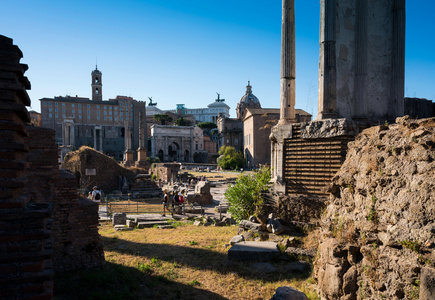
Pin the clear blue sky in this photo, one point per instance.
(186, 51)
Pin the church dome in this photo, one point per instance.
(249, 99)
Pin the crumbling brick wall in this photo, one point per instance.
(25, 252)
(75, 239)
(44, 226)
(76, 242)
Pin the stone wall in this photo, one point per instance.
(378, 230)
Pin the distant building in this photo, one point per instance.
(177, 143)
(231, 129)
(419, 108)
(257, 125)
(209, 114)
(110, 126)
(35, 118)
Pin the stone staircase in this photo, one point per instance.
(144, 188)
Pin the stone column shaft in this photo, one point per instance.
(327, 98)
(288, 63)
(396, 103)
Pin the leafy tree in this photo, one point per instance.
(230, 158)
(183, 122)
(207, 125)
(152, 159)
(245, 196)
(162, 118)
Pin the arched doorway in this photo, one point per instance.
(160, 155)
(173, 151)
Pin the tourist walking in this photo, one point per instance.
(165, 201)
(96, 194)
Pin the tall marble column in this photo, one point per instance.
(361, 41)
(288, 63)
(397, 94)
(327, 98)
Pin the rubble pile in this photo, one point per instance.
(378, 230)
(109, 174)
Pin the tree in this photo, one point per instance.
(230, 158)
(207, 125)
(162, 118)
(208, 128)
(183, 122)
(245, 196)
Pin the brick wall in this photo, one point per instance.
(75, 239)
(25, 253)
(43, 224)
(76, 242)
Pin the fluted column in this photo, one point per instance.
(361, 41)
(288, 63)
(396, 104)
(327, 98)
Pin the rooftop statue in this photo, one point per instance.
(151, 102)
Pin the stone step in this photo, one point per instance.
(254, 251)
(151, 224)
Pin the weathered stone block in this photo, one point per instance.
(288, 293)
(119, 219)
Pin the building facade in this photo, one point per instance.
(231, 129)
(257, 126)
(110, 126)
(176, 143)
(209, 114)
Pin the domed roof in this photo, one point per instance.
(249, 99)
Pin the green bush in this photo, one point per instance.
(230, 158)
(245, 196)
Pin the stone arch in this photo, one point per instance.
(161, 155)
(173, 151)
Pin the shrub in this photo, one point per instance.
(230, 158)
(245, 196)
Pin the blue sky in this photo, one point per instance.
(186, 51)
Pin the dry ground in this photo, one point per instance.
(187, 262)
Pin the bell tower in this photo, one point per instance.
(97, 85)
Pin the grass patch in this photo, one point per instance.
(154, 264)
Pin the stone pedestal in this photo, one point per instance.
(142, 158)
(128, 158)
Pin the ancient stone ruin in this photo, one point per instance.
(378, 230)
(45, 228)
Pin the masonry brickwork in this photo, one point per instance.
(75, 240)
(44, 227)
(25, 250)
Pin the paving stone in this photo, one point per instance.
(122, 228)
(151, 224)
(254, 251)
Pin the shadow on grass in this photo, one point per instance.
(202, 259)
(115, 282)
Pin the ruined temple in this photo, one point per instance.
(361, 83)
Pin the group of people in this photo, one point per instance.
(174, 200)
